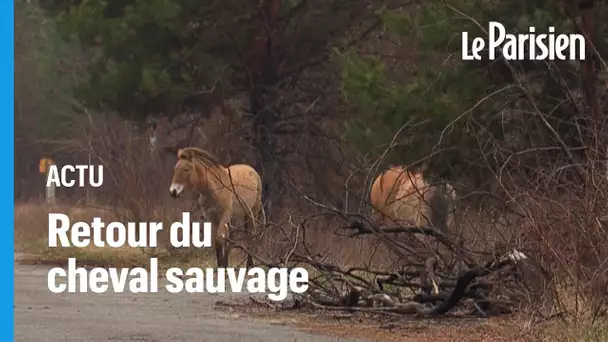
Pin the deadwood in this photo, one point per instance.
(399, 292)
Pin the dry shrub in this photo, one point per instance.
(316, 235)
(135, 189)
(568, 236)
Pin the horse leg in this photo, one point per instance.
(219, 254)
(250, 227)
(221, 249)
(227, 245)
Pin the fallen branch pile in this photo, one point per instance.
(432, 291)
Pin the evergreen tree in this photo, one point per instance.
(467, 115)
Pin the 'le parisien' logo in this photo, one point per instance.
(529, 46)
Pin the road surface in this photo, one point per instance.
(43, 316)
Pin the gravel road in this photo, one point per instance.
(43, 316)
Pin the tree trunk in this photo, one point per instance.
(589, 72)
(263, 98)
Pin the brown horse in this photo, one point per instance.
(403, 197)
(230, 194)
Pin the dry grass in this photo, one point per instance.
(31, 237)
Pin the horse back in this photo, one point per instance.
(386, 189)
(247, 185)
(400, 194)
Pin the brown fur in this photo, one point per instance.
(232, 195)
(402, 197)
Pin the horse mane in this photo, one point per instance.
(192, 153)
